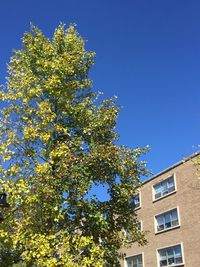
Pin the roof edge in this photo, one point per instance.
(172, 166)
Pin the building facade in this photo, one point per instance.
(169, 210)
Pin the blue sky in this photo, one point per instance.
(148, 54)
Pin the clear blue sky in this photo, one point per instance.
(148, 54)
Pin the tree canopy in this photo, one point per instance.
(58, 141)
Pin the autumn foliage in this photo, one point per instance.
(58, 141)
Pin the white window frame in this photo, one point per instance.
(139, 207)
(133, 255)
(171, 228)
(162, 180)
(173, 245)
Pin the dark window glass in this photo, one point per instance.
(167, 220)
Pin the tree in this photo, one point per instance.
(57, 141)
(196, 162)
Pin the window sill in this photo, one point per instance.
(168, 229)
(169, 194)
(138, 208)
(175, 265)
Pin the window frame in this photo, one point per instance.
(141, 224)
(163, 180)
(171, 228)
(173, 245)
(133, 255)
(139, 207)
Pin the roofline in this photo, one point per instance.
(172, 166)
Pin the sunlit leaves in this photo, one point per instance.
(57, 141)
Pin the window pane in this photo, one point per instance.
(170, 251)
(174, 215)
(157, 195)
(177, 250)
(163, 254)
(171, 186)
(157, 188)
(129, 263)
(174, 223)
(178, 254)
(171, 189)
(160, 219)
(160, 227)
(139, 259)
(170, 182)
(178, 260)
(163, 257)
(160, 223)
(167, 220)
(163, 263)
(134, 260)
(171, 261)
(164, 188)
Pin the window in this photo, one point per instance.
(167, 220)
(171, 256)
(136, 201)
(128, 233)
(135, 261)
(139, 226)
(164, 188)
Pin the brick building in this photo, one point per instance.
(168, 207)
